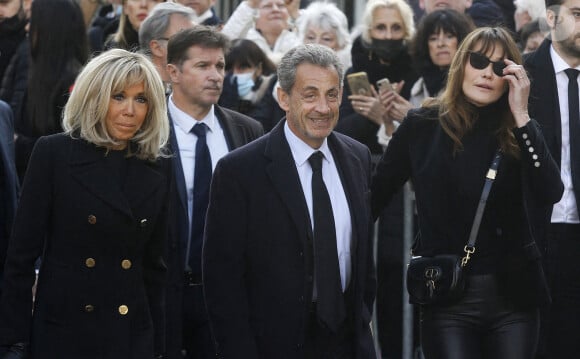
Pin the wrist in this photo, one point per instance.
(521, 118)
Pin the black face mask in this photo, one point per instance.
(388, 50)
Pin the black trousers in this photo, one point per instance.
(483, 325)
(197, 339)
(321, 343)
(561, 324)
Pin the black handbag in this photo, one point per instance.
(440, 279)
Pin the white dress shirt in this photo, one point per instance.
(565, 211)
(301, 152)
(186, 141)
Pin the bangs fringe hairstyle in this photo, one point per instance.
(104, 76)
(446, 20)
(456, 115)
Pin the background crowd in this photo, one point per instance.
(227, 73)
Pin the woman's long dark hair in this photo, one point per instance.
(58, 49)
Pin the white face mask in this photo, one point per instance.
(245, 83)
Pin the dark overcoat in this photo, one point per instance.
(258, 255)
(100, 285)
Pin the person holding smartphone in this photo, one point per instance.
(445, 148)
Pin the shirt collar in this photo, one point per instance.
(186, 122)
(559, 64)
(206, 15)
(302, 151)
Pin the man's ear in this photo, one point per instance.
(283, 99)
(156, 49)
(468, 4)
(173, 72)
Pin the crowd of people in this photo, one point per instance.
(175, 184)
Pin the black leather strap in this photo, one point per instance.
(490, 176)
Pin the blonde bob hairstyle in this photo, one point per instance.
(400, 5)
(109, 73)
(456, 115)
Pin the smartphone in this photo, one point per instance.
(384, 85)
(359, 83)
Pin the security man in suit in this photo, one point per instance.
(201, 133)
(554, 69)
(287, 259)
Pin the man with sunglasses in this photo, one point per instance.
(554, 104)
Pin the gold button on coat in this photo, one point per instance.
(123, 309)
(126, 264)
(90, 262)
(92, 219)
(89, 308)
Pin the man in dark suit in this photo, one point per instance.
(287, 259)
(196, 69)
(554, 104)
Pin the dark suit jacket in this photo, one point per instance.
(239, 130)
(10, 181)
(258, 259)
(101, 248)
(544, 105)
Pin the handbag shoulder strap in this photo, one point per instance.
(489, 178)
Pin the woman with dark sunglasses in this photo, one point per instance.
(445, 149)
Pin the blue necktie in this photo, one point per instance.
(574, 117)
(201, 183)
(330, 301)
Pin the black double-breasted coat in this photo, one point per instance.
(100, 284)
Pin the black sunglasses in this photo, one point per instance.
(480, 62)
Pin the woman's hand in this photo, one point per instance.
(293, 7)
(369, 106)
(519, 91)
(397, 107)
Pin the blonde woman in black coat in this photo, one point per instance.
(92, 209)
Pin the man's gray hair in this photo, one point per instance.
(157, 23)
(313, 54)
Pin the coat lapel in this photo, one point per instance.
(284, 176)
(232, 130)
(89, 169)
(179, 179)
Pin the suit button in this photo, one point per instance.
(531, 149)
(525, 136)
(534, 156)
(537, 164)
(301, 254)
(126, 264)
(92, 219)
(89, 308)
(528, 142)
(123, 309)
(90, 262)
(143, 222)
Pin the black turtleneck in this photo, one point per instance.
(501, 223)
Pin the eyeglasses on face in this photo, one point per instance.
(480, 62)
